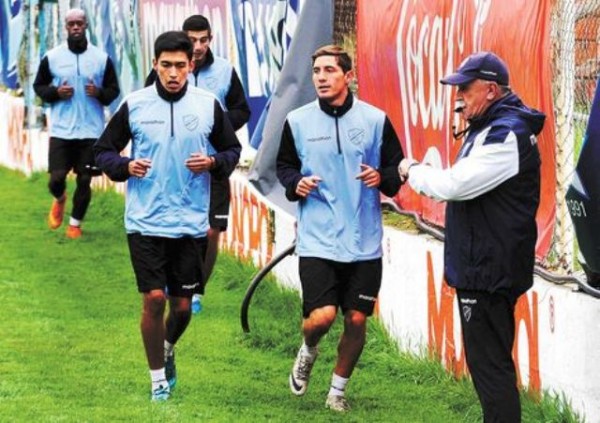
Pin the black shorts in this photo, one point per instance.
(77, 155)
(218, 215)
(351, 286)
(173, 263)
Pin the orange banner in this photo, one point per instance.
(405, 47)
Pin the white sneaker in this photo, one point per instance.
(161, 393)
(301, 373)
(337, 403)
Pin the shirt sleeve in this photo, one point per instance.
(288, 164)
(224, 140)
(391, 155)
(113, 140)
(42, 85)
(110, 84)
(235, 101)
(487, 166)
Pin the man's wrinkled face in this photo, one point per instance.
(330, 80)
(476, 96)
(201, 41)
(172, 68)
(76, 26)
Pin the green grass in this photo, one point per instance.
(399, 221)
(70, 348)
(580, 128)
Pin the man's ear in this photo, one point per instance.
(154, 64)
(493, 91)
(349, 76)
(192, 65)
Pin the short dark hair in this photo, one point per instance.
(173, 41)
(342, 57)
(196, 23)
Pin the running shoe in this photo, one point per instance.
(162, 393)
(301, 373)
(171, 370)
(337, 403)
(74, 232)
(57, 211)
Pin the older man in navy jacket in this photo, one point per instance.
(492, 193)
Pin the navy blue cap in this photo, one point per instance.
(482, 65)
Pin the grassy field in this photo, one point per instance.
(70, 348)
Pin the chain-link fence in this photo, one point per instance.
(575, 66)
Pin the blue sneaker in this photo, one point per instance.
(171, 370)
(196, 303)
(162, 393)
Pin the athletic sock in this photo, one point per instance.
(308, 351)
(338, 385)
(74, 222)
(158, 378)
(169, 349)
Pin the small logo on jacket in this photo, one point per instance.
(191, 122)
(211, 82)
(356, 135)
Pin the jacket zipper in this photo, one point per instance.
(172, 121)
(337, 132)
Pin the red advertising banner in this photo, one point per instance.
(405, 47)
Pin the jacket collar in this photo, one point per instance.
(167, 96)
(77, 46)
(338, 111)
(208, 60)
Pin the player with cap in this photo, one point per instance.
(492, 192)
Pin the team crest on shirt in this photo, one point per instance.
(191, 122)
(356, 135)
(211, 82)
